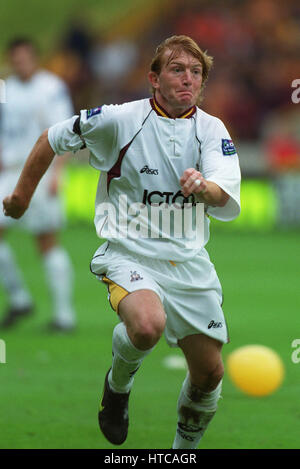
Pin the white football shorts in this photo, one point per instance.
(189, 291)
(45, 213)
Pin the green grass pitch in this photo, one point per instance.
(51, 384)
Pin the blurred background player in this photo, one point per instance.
(35, 99)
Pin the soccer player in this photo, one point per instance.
(36, 99)
(162, 151)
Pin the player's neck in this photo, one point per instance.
(168, 109)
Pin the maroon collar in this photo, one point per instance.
(160, 111)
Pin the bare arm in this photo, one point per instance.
(58, 169)
(207, 192)
(35, 167)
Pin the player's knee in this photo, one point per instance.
(217, 374)
(208, 379)
(214, 376)
(148, 331)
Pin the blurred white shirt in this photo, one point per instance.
(31, 107)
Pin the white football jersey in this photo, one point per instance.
(31, 107)
(142, 153)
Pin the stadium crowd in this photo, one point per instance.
(255, 43)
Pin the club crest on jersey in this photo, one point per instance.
(93, 112)
(228, 147)
(134, 276)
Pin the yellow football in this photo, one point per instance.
(255, 369)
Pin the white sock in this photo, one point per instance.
(60, 278)
(126, 360)
(11, 279)
(195, 411)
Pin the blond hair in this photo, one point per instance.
(177, 44)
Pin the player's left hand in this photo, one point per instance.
(13, 207)
(192, 181)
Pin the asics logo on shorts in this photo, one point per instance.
(214, 324)
(147, 170)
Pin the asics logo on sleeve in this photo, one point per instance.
(147, 170)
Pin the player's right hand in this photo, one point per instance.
(13, 206)
(192, 181)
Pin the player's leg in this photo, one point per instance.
(59, 273)
(19, 298)
(201, 389)
(143, 322)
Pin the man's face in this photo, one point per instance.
(178, 85)
(23, 61)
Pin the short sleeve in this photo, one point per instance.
(220, 164)
(62, 137)
(104, 131)
(97, 129)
